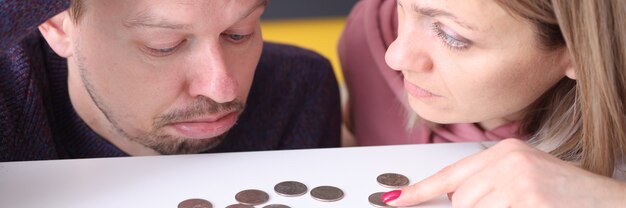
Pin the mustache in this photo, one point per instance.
(201, 106)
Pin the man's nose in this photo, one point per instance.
(211, 76)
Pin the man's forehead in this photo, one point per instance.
(153, 17)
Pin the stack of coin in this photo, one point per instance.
(195, 203)
(387, 180)
(327, 193)
(290, 188)
(322, 193)
(392, 180)
(252, 197)
(375, 200)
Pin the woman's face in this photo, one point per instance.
(467, 61)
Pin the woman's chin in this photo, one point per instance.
(439, 117)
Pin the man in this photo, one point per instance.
(148, 77)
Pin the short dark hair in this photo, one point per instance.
(76, 9)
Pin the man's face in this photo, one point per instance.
(169, 75)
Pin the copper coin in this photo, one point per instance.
(239, 206)
(276, 206)
(290, 188)
(376, 200)
(252, 197)
(392, 180)
(327, 193)
(195, 203)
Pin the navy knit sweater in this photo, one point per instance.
(293, 102)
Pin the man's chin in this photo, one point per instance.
(169, 145)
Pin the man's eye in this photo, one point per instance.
(161, 52)
(236, 38)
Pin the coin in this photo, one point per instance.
(376, 200)
(239, 206)
(290, 188)
(252, 197)
(327, 193)
(195, 203)
(392, 180)
(276, 206)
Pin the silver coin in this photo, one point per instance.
(252, 197)
(392, 180)
(276, 206)
(290, 188)
(195, 203)
(376, 200)
(327, 193)
(239, 206)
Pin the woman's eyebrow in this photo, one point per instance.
(434, 12)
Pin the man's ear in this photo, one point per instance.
(54, 30)
(570, 69)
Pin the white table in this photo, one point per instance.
(164, 181)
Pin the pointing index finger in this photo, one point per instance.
(444, 181)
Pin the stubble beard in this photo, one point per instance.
(157, 139)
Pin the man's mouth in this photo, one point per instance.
(205, 127)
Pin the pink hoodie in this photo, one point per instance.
(378, 106)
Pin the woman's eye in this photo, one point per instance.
(236, 38)
(450, 40)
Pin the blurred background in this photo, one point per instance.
(314, 25)
(311, 24)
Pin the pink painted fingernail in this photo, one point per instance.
(390, 196)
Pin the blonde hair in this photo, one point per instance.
(580, 121)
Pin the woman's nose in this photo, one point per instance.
(408, 55)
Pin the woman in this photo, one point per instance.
(378, 111)
(556, 68)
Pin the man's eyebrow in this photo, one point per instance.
(260, 3)
(433, 12)
(146, 20)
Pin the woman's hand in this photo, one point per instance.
(513, 174)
